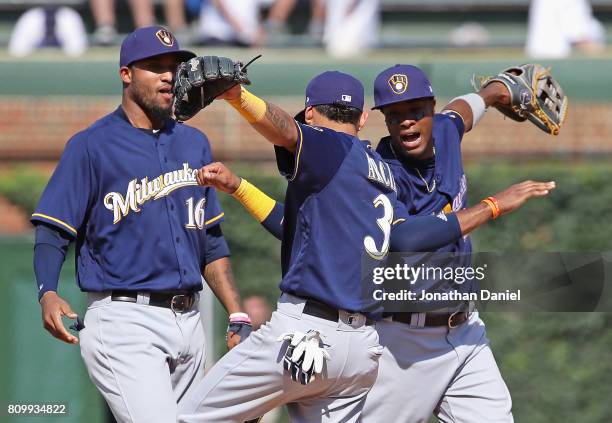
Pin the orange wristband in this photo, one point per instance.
(494, 205)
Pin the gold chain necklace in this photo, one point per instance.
(417, 169)
(433, 186)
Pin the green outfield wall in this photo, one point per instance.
(278, 74)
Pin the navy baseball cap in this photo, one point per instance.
(333, 87)
(148, 42)
(400, 83)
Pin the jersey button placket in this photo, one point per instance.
(179, 256)
(162, 146)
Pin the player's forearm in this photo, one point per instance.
(424, 233)
(273, 223)
(429, 233)
(220, 279)
(48, 262)
(278, 127)
(473, 217)
(262, 207)
(49, 254)
(472, 106)
(273, 123)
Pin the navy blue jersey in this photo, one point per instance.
(339, 208)
(443, 175)
(435, 186)
(131, 200)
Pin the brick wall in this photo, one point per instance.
(38, 128)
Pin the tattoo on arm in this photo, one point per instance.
(278, 117)
(220, 279)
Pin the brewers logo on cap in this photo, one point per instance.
(398, 83)
(165, 37)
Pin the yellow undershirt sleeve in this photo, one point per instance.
(254, 200)
(251, 107)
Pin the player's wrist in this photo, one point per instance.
(242, 189)
(234, 185)
(239, 317)
(251, 107)
(47, 296)
(495, 94)
(493, 205)
(239, 325)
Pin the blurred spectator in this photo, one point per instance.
(469, 34)
(557, 25)
(142, 14)
(174, 11)
(104, 15)
(194, 7)
(258, 310)
(351, 26)
(48, 27)
(280, 11)
(232, 22)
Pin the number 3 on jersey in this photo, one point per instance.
(195, 215)
(384, 223)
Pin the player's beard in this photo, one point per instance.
(157, 112)
(146, 98)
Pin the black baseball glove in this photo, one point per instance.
(535, 95)
(200, 80)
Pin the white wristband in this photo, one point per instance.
(477, 105)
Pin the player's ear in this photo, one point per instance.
(433, 106)
(362, 120)
(309, 115)
(125, 73)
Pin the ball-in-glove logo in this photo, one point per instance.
(398, 83)
(525, 98)
(165, 37)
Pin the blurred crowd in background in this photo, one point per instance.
(344, 27)
(239, 23)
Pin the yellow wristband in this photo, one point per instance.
(251, 107)
(254, 200)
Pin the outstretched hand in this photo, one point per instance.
(516, 195)
(502, 203)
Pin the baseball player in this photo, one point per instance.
(423, 151)
(125, 190)
(340, 207)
